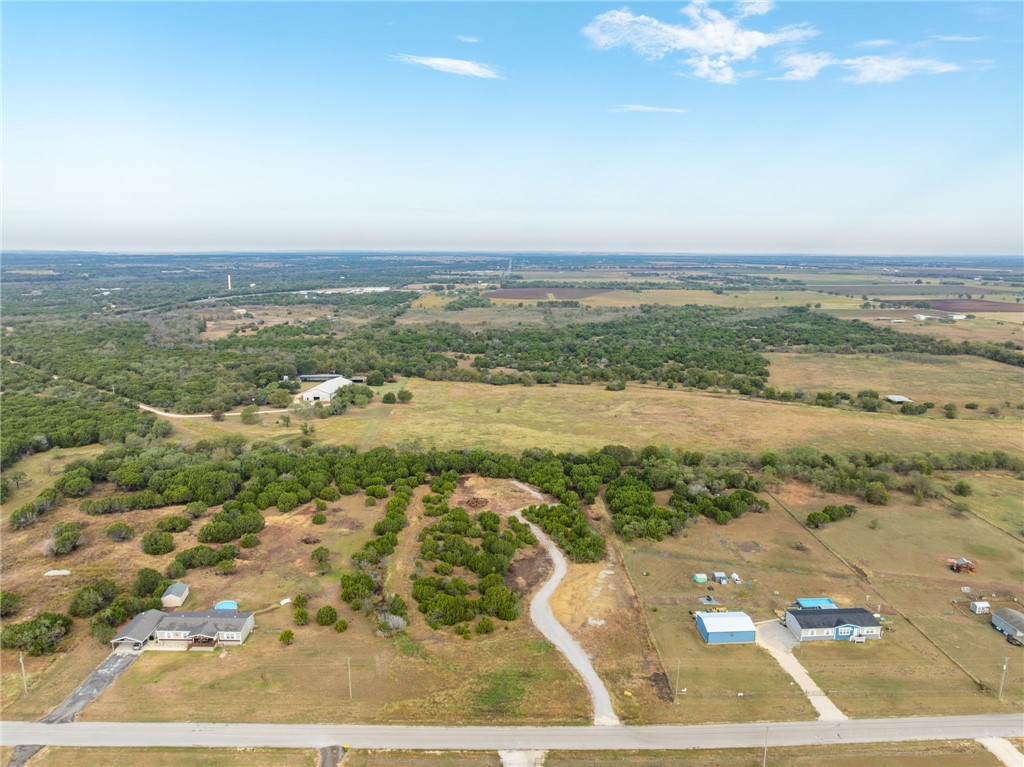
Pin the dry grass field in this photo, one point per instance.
(923, 378)
(360, 758)
(901, 567)
(901, 551)
(744, 299)
(511, 418)
(175, 757)
(962, 753)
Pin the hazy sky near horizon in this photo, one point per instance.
(807, 127)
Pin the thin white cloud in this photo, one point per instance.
(874, 43)
(754, 8)
(890, 69)
(804, 66)
(468, 38)
(451, 66)
(715, 41)
(956, 38)
(645, 108)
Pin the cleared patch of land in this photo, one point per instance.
(421, 675)
(957, 753)
(743, 299)
(923, 378)
(901, 550)
(510, 418)
(899, 565)
(174, 757)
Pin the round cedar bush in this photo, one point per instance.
(341, 625)
(156, 543)
(249, 541)
(120, 531)
(319, 519)
(390, 398)
(484, 626)
(326, 615)
(286, 637)
(301, 616)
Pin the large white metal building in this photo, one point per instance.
(325, 391)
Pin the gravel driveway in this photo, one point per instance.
(779, 642)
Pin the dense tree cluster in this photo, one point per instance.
(36, 636)
(35, 424)
(833, 512)
(569, 528)
(699, 346)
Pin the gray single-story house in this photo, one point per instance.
(847, 623)
(1009, 621)
(175, 595)
(185, 630)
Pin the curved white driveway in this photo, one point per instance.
(544, 619)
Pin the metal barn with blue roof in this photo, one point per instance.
(726, 628)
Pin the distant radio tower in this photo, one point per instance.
(229, 282)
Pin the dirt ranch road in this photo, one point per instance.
(146, 734)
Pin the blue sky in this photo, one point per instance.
(800, 127)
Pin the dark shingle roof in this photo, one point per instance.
(830, 619)
(1014, 617)
(205, 622)
(141, 626)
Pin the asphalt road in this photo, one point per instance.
(617, 738)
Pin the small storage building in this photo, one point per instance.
(175, 595)
(700, 578)
(1009, 621)
(325, 391)
(721, 578)
(897, 399)
(725, 628)
(980, 608)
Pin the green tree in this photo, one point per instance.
(376, 378)
(67, 536)
(120, 531)
(37, 636)
(286, 637)
(156, 543)
(390, 398)
(326, 615)
(404, 396)
(963, 488)
(319, 519)
(148, 582)
(301, 616)
(250, 415)
(341, 625)
(949, 410)
(10, 603)
(817, 519)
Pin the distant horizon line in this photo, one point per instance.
(484, 252)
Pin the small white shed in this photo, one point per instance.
(981, 608)
(175, 595)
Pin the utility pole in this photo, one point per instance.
(24, 679)
(676, 699)
(349, 659)
(1002, 678)
(764, 759)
